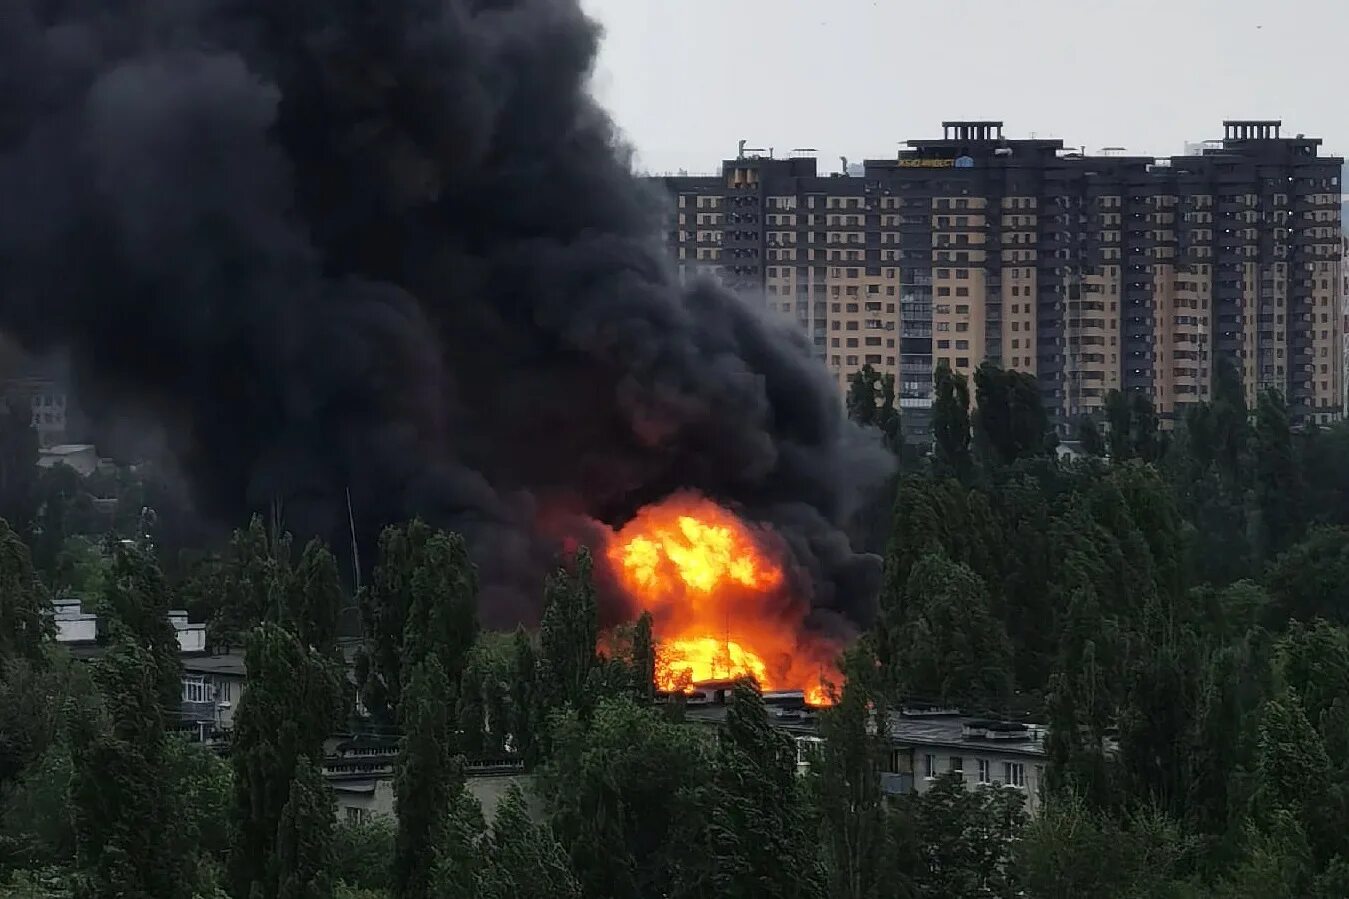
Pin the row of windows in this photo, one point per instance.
(1013, 773)
(837, 361)
(197, 689)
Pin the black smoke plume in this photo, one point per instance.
(392, 247)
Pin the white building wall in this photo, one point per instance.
(931, 762)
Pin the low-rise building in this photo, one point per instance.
(82, 457)
(924, 744)
(981, 752)
(212, 685)
(77, 629)
(360, 770)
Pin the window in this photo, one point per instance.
(957, 765)
(963, 362)
(357, 815)
(962, 344)
(962, 291)
(962, 309)
(929, 766)
(195, 689)
(1014, 774)
(226, 690)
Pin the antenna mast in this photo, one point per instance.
(355, 550)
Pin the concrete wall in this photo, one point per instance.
(375, 796)
(941, 763)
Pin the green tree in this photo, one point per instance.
(135, 603)
(1157, 716)
(18, 468)
(569, 632)
(304, 836)
(458, 865)
(292, 704)
(63, 509)
(1276, 862)
(363, 852)
(314, 599)
(1089, 435)
(1010, 419)
(1119, 417)
(644, 657)
(1292, 767)
(526, 702)
(245, 589)
(758, 839)
(618, 788)
(25, 622)
(484, 712)
(947, 645)
(1070, 850)
(422, 599)
(968, 839)
(1313, 661)
(861, 854)
(1231, 427)
(951, 420)
(862, 396)
(1278, 481)
(81, 568)
(201, 787)
(427, 777)
(524, 859)
(1146, 443)
(871, 403)
(121, 810)
(50, 883)
(1311, 579)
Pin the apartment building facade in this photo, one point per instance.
(1092, 272)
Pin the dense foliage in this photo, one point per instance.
(1173, 603)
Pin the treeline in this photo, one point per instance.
(1173, 605)
(102, 796)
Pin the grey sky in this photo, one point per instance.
(686, 79)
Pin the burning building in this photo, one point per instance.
(722, 601)
(395, 252)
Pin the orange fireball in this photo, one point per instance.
(719, 599)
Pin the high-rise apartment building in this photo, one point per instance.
(1094, 273)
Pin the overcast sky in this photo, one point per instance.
(687, 79)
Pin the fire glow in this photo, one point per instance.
(719, 598)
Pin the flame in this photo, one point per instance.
(719, 599)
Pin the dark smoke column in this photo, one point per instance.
(393, 248)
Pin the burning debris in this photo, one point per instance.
(394, 252)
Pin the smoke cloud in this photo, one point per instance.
(394, 248)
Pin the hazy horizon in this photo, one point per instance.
(857, 78)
